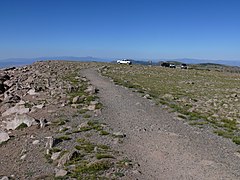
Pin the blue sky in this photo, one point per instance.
(208, 29)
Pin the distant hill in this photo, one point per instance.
(201, 61)
(25, 61)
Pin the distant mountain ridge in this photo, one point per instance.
(200, 61)
(25, 61)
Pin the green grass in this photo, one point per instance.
(86, 146)
(48, 158)
(198, 123)
(63, 130)
(124, 163)
(87, 116)
(59, 122)
(64, 138)
(99, 106)
(82, 111)
(182, 116)
(22, 126)
(236, 140)
(225, 134)
(103, 156)
(85, 128)
(198, 95)
(104, 133)
(93, 168)
(102, 146)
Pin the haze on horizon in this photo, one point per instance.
(207, 29)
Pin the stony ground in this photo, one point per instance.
(63, 120)
(51, 126)
(165, 146)
(208, 99)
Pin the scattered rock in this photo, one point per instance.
(23, 157)
(4, 137)
(82, 125)
(119, 134)
(32, 92)
(90, 90)
(67, 157)
(20, 119)
(94, 102)
(147, 96)
(234, 95)
(60, 172)
(55, 156)
(35, 142)
(97, 112)
(4, 178)
(18, 109)
(49, 143)
(75, 99)
(168, 96)
(91, 107)
(40, 106)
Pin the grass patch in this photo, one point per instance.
(22, 126)
(93, 168)
(88, 135)
(82, 111)
(102, 146)
(85, 128)
(48, 158)
(224, 133)
(103, 156)
(64, 138)
(104, 133)
(28, 105)
(99, 106)
(90, 98)
(182, 116)
(198, 123)
(59, 122)
(119, 174)
(87, 116)
(95, 125)
(230, 124)
(124, 163)
(63, 129)
(236, 140)
(86, 146)
(54, 150)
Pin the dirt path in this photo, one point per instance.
(164, 147)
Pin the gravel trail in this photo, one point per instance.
(164, 146)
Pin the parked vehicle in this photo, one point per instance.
(124, 61)
(184, 66)
(172, 66)
(165, 64)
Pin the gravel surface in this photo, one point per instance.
(164, 146)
